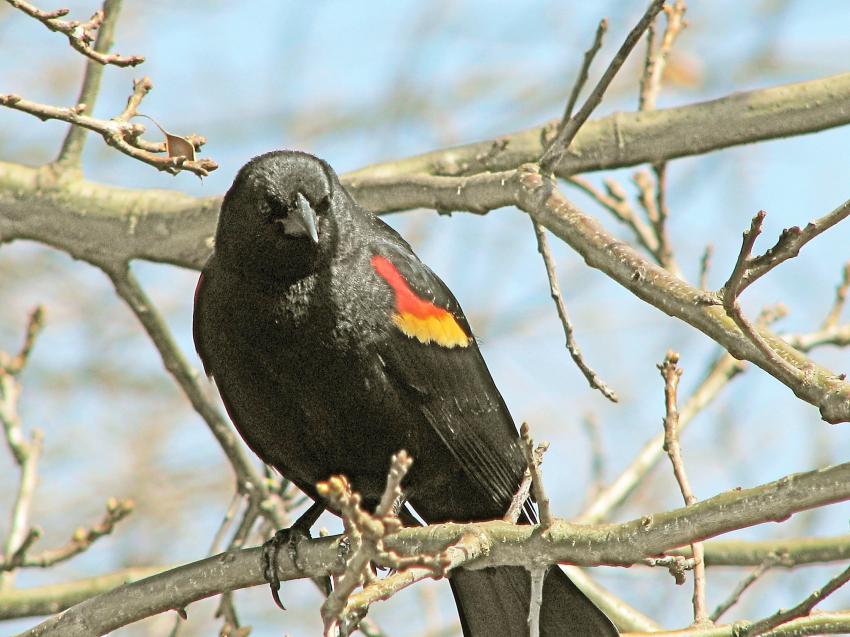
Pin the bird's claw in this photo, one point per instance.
(285, 537)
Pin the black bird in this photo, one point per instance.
(333, 346)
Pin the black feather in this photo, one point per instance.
(319, 379)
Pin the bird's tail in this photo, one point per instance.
(493, 602)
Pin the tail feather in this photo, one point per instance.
(493, 602)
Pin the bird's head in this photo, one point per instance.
(277, 216)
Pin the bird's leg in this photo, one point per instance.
(289, 538)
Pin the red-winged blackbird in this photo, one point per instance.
(333, 346)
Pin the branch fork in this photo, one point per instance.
(81, 35)
(366, 533)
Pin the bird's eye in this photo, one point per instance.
(323, 205)
(278, 210)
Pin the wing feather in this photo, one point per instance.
(453, 387)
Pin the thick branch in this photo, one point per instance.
(837, 623)
(54, 598)
(503, 544)
(816, 385)
(539, 196)
(104, 223)
(791, 552)
(99, 221)
(628, 139)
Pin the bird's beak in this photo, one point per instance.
(305, 217)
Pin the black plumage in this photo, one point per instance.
(333, 346)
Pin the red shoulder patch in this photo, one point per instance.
(416, 317)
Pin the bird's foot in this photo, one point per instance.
(289, 538)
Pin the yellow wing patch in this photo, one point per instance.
(442, 330)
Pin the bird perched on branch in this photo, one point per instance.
(333, 347)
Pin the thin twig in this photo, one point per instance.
(838, 336)
(649, 58)
(616, 202)
(15, 364)
(646, 197)
(665, 251)
(119, 133)
(81, 540)
(366, 533)
(841, 290)
(72, 145)
(705, 266)
(732, 289)
(467, 547)
(25, 452)
(128, 289)
(556, 150)
(538, 576)
(581, 79)
(743, 585)
(671, 373)
(80, 34)
(519, 499)
(800, 610)
(654, 196)
(533, 459)
(656, 58)
(721, 371)
(226, 522)
(555, 291)
(789, 244)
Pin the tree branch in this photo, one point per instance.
(54, 598)
(800, 610)
(671, 373)
(628, 139)
(72, 146)
(837, 623)
(569, 334)
(81, 34)
(498, 543)
(789, 244)
(81, 539)
(568, 129)
(814, 384)
(24, 452)
(721, 371)
(128, 289)
(119, 133)
(165, 226)
(791, 552)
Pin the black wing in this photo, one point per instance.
(453, 388)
